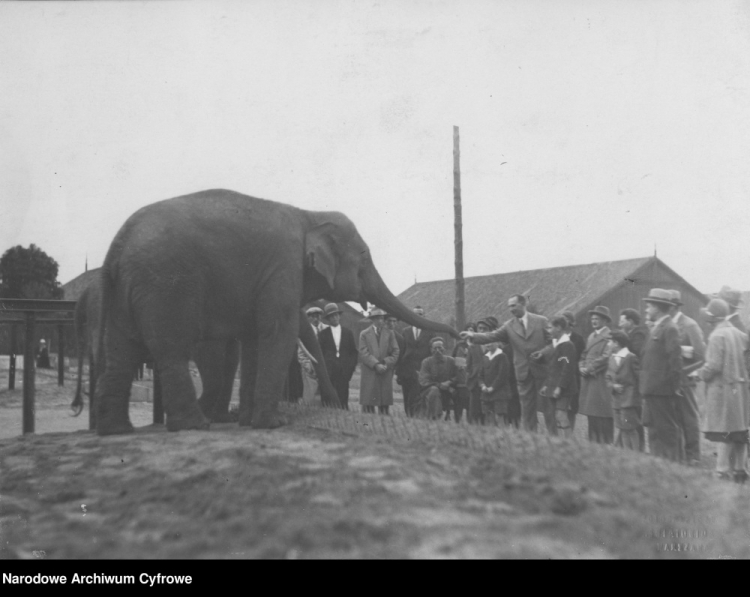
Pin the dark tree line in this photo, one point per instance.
(29, 273)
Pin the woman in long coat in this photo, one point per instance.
(378, 353)
(727, 417)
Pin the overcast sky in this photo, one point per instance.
(590, 130)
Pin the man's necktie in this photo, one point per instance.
(523, 327)
(416, 333)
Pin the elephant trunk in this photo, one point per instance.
(378, 293)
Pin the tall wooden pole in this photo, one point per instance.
(459, 243)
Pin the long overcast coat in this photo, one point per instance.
(376, 389)
(595, 399)
(727, 393)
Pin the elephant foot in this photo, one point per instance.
(228, 417)
(114, 427)
(268, 420)
(112, 418)
(195, 420)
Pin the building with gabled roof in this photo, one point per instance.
(577, 288)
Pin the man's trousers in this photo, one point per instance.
(528, 392)
(688, 420)
(410, 388)
(664, 431)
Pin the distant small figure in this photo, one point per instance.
(42, 356)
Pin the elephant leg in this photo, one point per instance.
(113, 385)
(248, 375)
(178, 392)
(277, 327)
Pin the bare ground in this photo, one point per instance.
(334, 484)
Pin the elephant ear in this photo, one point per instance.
(320, 253)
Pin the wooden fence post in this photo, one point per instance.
(60, 355)
(12, 359)
(29, 366)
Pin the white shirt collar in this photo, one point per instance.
(563, 338)
(493, 354)
(676, 316)
(601, 330)
(525, 320)
(623, 352)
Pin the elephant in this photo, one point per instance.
(216, 265)
(216, 360)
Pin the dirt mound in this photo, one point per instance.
(353, 485)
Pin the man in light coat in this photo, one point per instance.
(416, 349)
(595, 399)
(660, 377)
(727, 394)
(527, 334)
(693, 353)
(378, 353)
(733, 298)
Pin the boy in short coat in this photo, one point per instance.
(561, 386)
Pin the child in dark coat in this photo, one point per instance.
(562, 375)
(494, 384)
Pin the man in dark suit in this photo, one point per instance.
(527, 333)
(339, 352)
(416, 350)
(693, 349)
(660, 377)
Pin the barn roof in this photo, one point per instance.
(549, 291)
(73, 289)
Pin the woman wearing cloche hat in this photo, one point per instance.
(727, 416)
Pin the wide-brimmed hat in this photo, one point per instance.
(314, 311)
(602, 311)
(660, 296)
(730, 295)
(330, 309)
(676, 297)
(494, 323)
(376, 313)
(716, 310)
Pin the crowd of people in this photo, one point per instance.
(655, 377)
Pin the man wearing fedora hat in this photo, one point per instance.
(378, 353)
(595, 400)
(733, 298)
(727, 394)
(693, 350)
(339, 352)
(661, 376)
